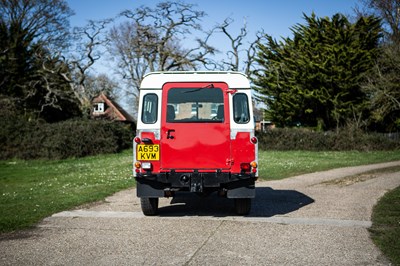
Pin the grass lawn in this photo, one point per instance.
(385, 230)
(33, 190)
(281, 164)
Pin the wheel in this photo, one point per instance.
(149, 206)
(242, 206)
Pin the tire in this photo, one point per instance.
(243, 206)
(149, 206)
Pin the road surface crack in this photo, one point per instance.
(212, 233)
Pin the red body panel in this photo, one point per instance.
(201, 146)
(243, 151)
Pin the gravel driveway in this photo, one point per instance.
(313, 219)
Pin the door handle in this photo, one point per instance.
(169, 133)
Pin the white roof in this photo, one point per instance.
(156, 80)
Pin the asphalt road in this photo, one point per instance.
(314, 219)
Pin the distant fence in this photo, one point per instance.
(392, 135)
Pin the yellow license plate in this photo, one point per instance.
(148, 152)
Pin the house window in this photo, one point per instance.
(99, 108)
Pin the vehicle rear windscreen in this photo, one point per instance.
(195, 105)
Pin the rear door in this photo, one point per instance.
(195, 129)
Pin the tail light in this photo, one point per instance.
(137, 140)
(143, 165)
(254, 166)
(137, 167)
(245, 167)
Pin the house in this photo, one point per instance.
(104, 107)
(262, 125)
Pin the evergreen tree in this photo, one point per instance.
(314, 77)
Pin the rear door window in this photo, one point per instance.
(149, 110)
(241, 114)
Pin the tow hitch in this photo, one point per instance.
(196, 182)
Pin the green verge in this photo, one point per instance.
(281, 164)
(385, 230)
(33, 190)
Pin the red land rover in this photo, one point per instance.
(195, 133)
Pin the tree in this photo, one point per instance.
(389, 12)
(383, 86)
(89, 40)
(29, 28)
(41, 70)
(238, 47)
(383, 82)
(42, 22)
(73, 68)
(152, 40)
(101, 84)
(314, 78)
(50, 93)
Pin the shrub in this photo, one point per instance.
(343, 140)
(71, 138)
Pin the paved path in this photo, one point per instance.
(313, 219)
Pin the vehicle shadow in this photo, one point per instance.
(267, 203)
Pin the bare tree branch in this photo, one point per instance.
(46, 22)
(75, 69)
(238, 46)
(388, 11)
(151, 41)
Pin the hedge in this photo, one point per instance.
(343, 140)
(72, 138)
(77, 138)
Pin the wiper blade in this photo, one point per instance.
(206, 87)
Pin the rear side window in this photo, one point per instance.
(149, 111)
(241, 113)
(195, 105)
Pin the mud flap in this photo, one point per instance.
(147, 191)
(241, 192)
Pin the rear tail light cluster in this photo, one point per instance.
(249, 167)
(138, 165)
(144, 165)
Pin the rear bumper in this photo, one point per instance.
(158, 185)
